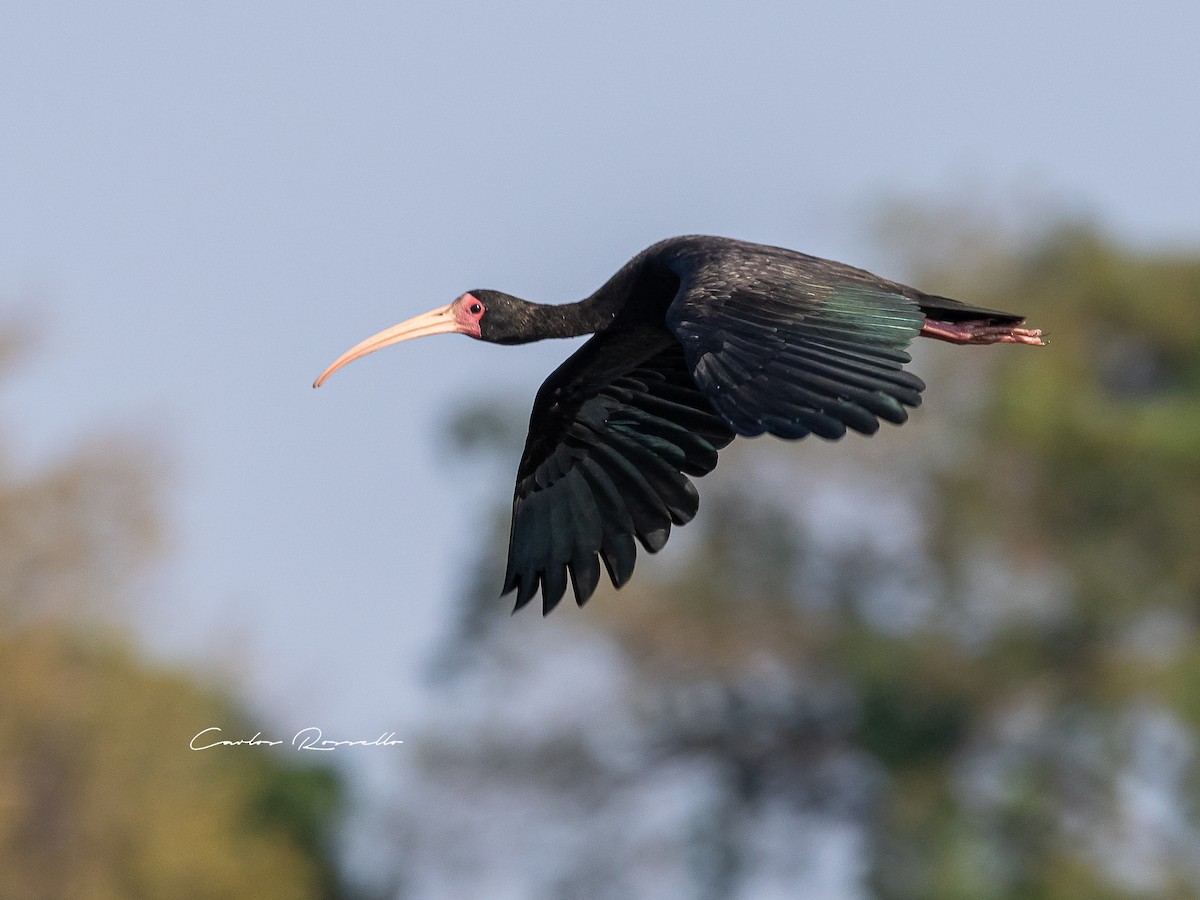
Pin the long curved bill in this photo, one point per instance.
(436, 321)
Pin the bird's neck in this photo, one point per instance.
(619, 296)
(581, 317)
(630, 294)
(538, 321)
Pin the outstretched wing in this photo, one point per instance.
(614, 433)
(792, 351)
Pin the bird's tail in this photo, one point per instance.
(958, 323)
(943, 309)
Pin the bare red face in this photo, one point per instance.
(468, 310)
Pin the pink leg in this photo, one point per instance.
(981, 333)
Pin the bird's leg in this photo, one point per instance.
(981, 333)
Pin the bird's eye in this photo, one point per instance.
(475, 308)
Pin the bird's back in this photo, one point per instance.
(726, 265)
(737, 263)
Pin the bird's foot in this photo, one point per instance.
(981, 333)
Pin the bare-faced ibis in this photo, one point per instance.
(695, 340)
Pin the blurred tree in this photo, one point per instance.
(99, 794)
(1085, 470)
(958, 660)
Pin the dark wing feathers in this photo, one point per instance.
(780, 352)
(614, 433)
(617, 549)
(757, 341)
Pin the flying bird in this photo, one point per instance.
(696, 340)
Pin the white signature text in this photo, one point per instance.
(311, 738)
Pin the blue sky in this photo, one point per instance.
(201, 205)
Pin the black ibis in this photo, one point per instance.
(695, 340)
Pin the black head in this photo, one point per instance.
(505, 319)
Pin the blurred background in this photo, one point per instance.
(959, 659)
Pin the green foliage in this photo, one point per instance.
(910, 716)
(103, 797)
(1086, 465)
(1104, 431)
(100, 795)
